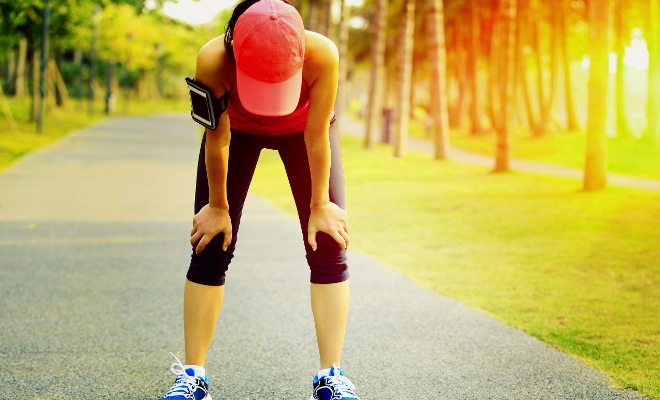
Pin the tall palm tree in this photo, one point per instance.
(439, 90)
(342, 97)
(506, 75)
(595, 177)
(404, 75)
(472, 66)
(375, 101)
(653, 105)
(620, 38)
(571, 118)
(325, 16)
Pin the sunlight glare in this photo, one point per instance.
(636, 55)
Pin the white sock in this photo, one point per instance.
(199, 370)
(324, 372)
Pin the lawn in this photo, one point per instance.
(577, 270)
(628, 156)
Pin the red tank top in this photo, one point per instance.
(245, 121)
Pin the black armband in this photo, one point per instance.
(205, 109)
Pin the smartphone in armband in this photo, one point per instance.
(205, 109)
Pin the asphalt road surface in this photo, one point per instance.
(93, 255)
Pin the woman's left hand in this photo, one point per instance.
(331, 219)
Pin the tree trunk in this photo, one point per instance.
(36, 56)
(342, 97)
(459, 55)
(314, 15)
(463, 82)
(375, 101)
(404, 74)
(11, 73)
(494, 66)
(6, 110)
(438, 80)
(42, 65)
(451, 47)
(519, 84)
(473, 68)
(21, 88)
(571, 117)
(77, 61)
(546, 104)
(110, 95)
(523, 75)
(537, 19)
(324, 17)
(620, 39)
(595, 177)
(652, 132)
(304, 11)
(506, 76)
(92, 69)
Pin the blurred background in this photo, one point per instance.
(546, 112)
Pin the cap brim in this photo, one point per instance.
(269, 99)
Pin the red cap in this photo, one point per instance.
(269, 46)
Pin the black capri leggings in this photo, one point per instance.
(328, 263)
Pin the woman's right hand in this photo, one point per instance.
(207, 223)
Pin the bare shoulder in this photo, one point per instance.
(321, 57)
(214, 65)
(319, 47)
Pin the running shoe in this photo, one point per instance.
(333, 386)
(187, 386)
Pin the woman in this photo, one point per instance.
(282, 83)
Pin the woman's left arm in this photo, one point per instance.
(325, 215)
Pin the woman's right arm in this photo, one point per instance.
(214, 218)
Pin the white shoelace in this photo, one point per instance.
(342, 385)
(184, 385)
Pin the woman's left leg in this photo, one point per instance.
(329, 288)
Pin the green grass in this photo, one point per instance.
(628, 156)
(576, 270)
(61, 121)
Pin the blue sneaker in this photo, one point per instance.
(187, 386)
(333, 386)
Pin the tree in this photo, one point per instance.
(343, 62)
(506, 74)
(563, 33)
(595, 177)
(539, 121)
(404, 74)
(472, 66)
(438, 80)
(620, 39)
(375, 101)
(652, 132)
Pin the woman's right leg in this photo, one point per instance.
(204, 286)
(201, 308)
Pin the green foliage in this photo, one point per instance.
(140, 41)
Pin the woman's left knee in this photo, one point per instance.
(328, 264)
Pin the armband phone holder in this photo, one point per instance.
(205, 109)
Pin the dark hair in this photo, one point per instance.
(229, 30)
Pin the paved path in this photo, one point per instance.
(93, 254)
(356, 128)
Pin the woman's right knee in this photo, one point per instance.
(210, 266)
